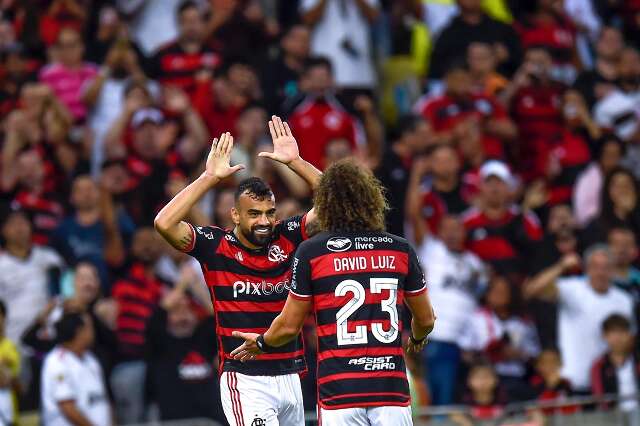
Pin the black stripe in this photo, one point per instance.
(266, 368)
(229, 343)
(371, 384)
(249, 293)
(341, 365)
(382, 399)
(219, 262)
(245, 320)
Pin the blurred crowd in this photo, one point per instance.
(507, 133)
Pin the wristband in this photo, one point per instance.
(416, 341)
(262, 345)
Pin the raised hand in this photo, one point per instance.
(219, 157)
(285, 146)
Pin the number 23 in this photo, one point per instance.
(359, 336)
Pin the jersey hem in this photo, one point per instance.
(264, 372)
(364, 404)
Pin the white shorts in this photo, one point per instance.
(371, 416)
(262, 400)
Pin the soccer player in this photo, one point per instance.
(248, 274)
(357, 279)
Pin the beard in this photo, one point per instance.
(257, 238)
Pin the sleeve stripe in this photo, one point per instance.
(299, 296)
(191, 246)
(416, 292)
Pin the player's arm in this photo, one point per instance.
(422, 321)
(284, 328)
(417, 300)
(72, 414)
(285, 151)
(169, 221)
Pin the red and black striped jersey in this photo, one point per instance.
(248, 289)
(357, 283)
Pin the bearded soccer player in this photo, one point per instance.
(357, 279)
(248, 274)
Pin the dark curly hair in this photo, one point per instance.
(255, 187)
(349, 198)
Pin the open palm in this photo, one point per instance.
(285, 146)
(218, 161)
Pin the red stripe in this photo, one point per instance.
(358, 352)
(331, 301)
(273, 357)
(235, 383)
(330, 329)
(370, 261)
(226, 331)
(361, 375)
(219, 278)
(493, 248)
(352, 395)
(231, 306)
(365, 404)
(233, 402)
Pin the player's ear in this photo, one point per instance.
(235, 216)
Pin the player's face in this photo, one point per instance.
(255, 218)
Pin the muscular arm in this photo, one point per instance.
(289, 323)
(169, 221)
(284, 328)
(423, 317)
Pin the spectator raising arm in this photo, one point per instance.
(169, 221)
(72, 414)
(414, 200)
(543, 285)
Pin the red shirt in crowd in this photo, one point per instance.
(219, 119)
(558, 37)
(137, 296)
(445, 112)
(504, 242)
(569, 153)
(173, 66)
(316, 123)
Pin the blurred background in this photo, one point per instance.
(507, 133)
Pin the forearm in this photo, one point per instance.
(418, 331)
(195, 127)
(114, 252)
(543, 282)
(313, 15)
(116, 131)
(281, 332)
(181, 205)
(369, 12)
(375, 135)
(91, 93)
(73, 415)
(306, 171)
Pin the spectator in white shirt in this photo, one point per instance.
(73, 389)
(498, 332)
(25, 273)
(456, 279)
(341, 32)
(584, 302)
